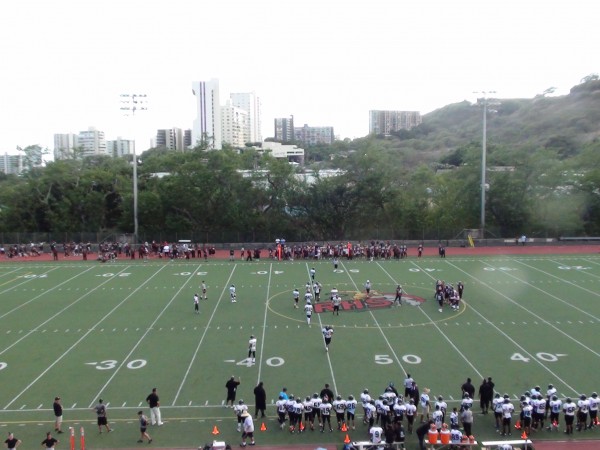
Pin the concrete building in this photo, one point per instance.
(314, 135)
(120, 147)
(235, 125)
(207, 125)
(11, 164)
(173, 139)
(284, 129)
(385, 122)
(65, 145)
(250, 102)
(92, 142)
(292, 153)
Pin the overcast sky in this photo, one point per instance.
(63, 63)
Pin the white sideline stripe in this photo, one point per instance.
(434, 323)
(375, 320)
(516, 344)
(37, 296)
(544, 320)
(71, 347)
(150, 328)
(262, 339)
(55, 315)
(320, 328)
(12, 271)
(187, 372)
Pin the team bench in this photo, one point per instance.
(367, 445)
(522, 443)
(439, 445)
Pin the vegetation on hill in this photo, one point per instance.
(543, 173)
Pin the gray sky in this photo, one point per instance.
(63, 63)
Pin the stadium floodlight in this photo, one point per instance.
(131, 104)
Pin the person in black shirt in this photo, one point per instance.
(326, 391)
(12, 442)
(154, 404)
(58, 414)
(422, 432)
(231, 387)
(468, 388)
(49, 442)
(260, 400)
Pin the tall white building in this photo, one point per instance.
(120, 147)
(207, 125)
(65, 145)
(235, 125)
(250, 102)
(92, 142)
(173, 139)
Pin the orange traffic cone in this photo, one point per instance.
(344, 427)
(301, 426)
(215, 430)
(263, 427)
(523, 435)
(518, 425)
(347, 439)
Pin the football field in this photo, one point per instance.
(86, 330)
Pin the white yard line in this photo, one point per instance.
(66, 352)
(502, 332)
(189, 368)
(377, 323)
(320, 328)
(150, 327)
(262, 339)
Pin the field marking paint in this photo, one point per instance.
(546, 321)
(206, 328)
(434, 322)
(66, 352)
(150, 328)
(262, 340)
(507, 336)
(53, 316)
(27, 280)
(377, 323)
(320, 330)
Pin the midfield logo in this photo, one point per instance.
(359, 302)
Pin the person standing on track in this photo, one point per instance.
(100, 409)
(154, 404)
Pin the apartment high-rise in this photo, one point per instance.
(250, 102)
(284, 129)
(120, 147)
(174, 139)
(92, 142)
(207, 125)
(314, 135)
(385, 122)
(65, 145)
(235, 125)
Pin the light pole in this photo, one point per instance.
(484, 101)
(131, 104)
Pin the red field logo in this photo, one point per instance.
(359, 302)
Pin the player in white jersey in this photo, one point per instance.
(437, 417)
(252, 348)
(370, 412)
(327, 335)
(333, 293)
(365, 398)
(411, 412)
(312, 272)
(339, 406)
(526, 416)
(316, 401)
(583, 407)
(308, 297)
(555, 409)
(368, 288)
(467, 402)
(455, 436)
(308, 310)
(196, 304)
(298, 409)
(425, 406)
(350, 410)
(281, 406)
(549, 393)
(540, 412)
(296, 297)
(399, 409)
(232, 294)
(204, 291)
(317, 290)
(594, 402)
(443, 407)
(290, 405)
(376, 434)
(336, 301)
(239, 410)
(569, 409)
(507, 411)
(325, 415)
(309, 415)
(389, 395)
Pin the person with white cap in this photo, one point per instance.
(368, 288)
(252, 348)
(248, 427)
